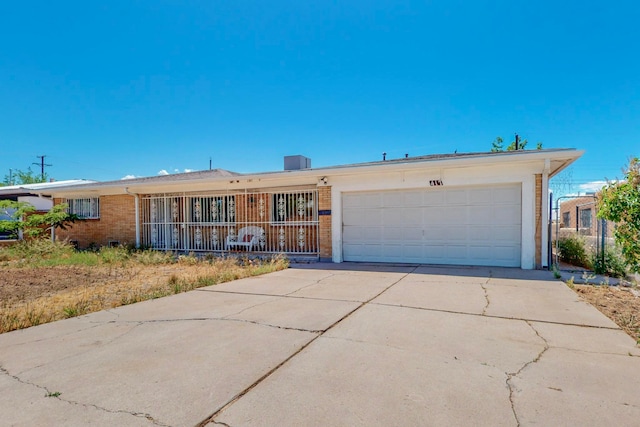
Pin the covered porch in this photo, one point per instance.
(267, 222)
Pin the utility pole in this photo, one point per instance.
(10, 176)
(42, 164)
(517, 141)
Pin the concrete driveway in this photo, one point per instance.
(326, 344)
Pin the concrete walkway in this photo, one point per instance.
(332, 345)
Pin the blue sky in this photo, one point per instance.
(108, 89)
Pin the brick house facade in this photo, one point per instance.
(469, 209)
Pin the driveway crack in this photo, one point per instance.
(57, 395)
(317, 282)
(511, 375)
(486, 296)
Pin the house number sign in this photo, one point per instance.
(435, 182)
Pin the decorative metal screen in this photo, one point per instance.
(270, 222)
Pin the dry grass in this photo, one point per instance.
(619, 304)
(120, 282)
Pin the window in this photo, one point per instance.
(585, 218)
(566, 219)
(88, 208)
(213, 209)
(293, 207)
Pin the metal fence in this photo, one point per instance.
(268, 222)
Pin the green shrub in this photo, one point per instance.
(34, 249)
(572, 251)
(114, 255)
(613, 263)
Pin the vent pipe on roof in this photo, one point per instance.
(384, 156)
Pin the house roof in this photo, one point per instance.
(40, 187)
(558, 159)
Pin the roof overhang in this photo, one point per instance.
(553, 160)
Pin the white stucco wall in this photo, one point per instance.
(40, 203)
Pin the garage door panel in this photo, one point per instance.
(433, 197)
(434, 253)
(371, 200)
(412, 252)
(506, 195)
(480, 252)
(411, 234)
(392, 234)
(480, 196)
(505, 233)
(456, 197)
(455, 215)
(392, 199)
(456, 233)
(391, 216)
(479, 233)
(507, 255)
(480, 214)
(413, 198)
(435, 233)
(472, 225)
(391, 251)
(352, 216)
(433, 215)
(507, 214)
(412, 216)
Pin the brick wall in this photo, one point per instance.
(324, 204)
(116, 224)
(538, 216)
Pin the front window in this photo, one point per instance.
(213, 209)
(86, 208)
(585, 218)
(566, 219)
(293, 207)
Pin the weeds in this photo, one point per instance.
(570, 283)
(612, 263)
(142, 275)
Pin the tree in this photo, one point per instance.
(620, 202)
(497, 145)
(24, 218)
(19, 177)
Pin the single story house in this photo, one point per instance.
(33, 194)
(460, 209)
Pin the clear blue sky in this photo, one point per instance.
(108, 89)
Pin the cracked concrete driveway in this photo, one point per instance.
(332, 344)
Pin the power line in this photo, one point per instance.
(42, 164)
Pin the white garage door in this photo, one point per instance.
(463, 226)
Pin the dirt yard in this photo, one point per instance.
(620, 304)
(25, 285)
(32, 295)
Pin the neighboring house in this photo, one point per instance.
(33, 194)
(460, 209)
(578, 215)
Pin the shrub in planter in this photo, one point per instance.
(571, 250)
(612, 265)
